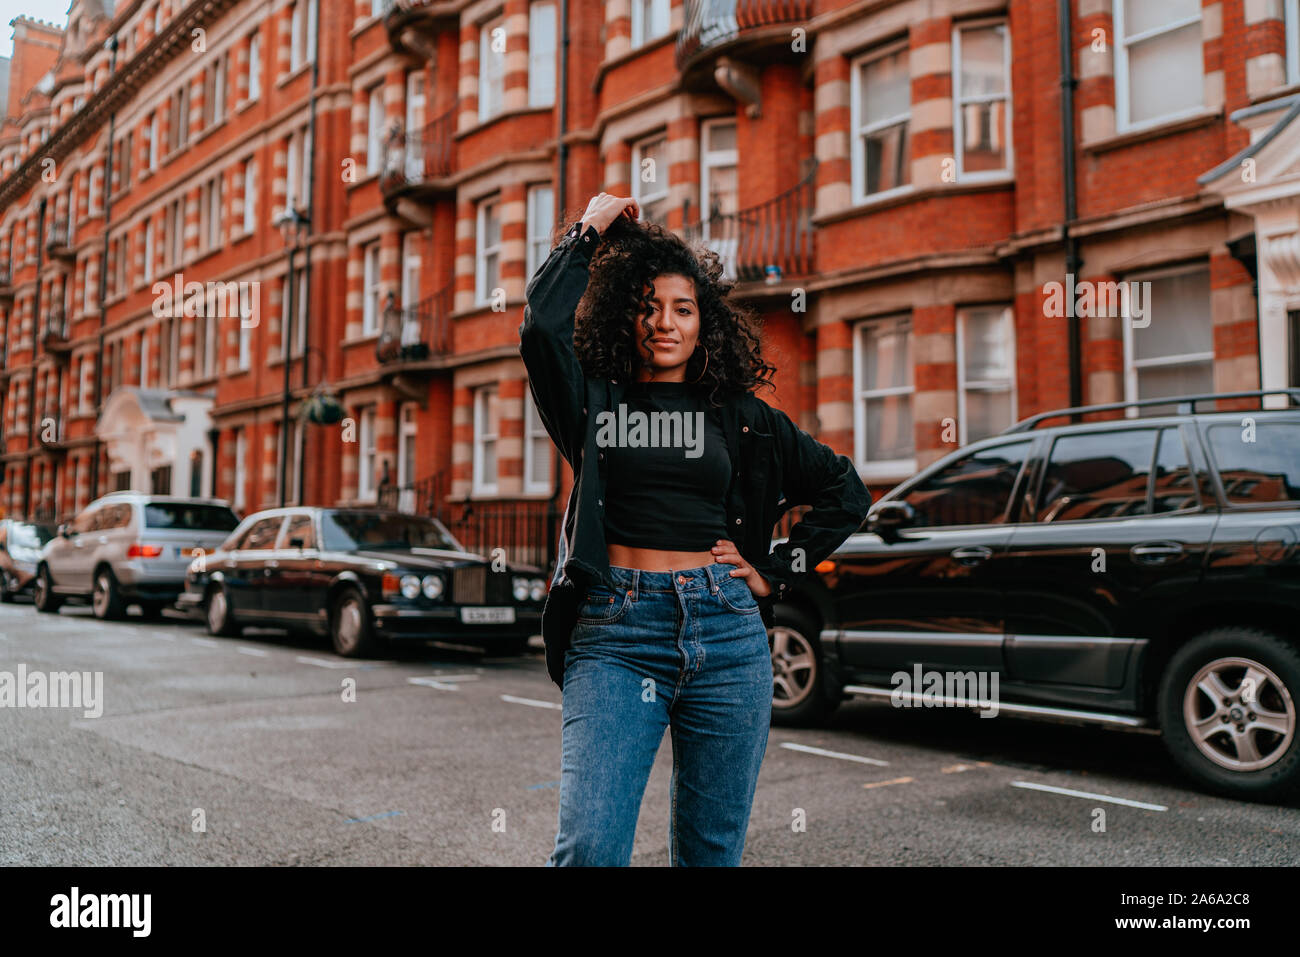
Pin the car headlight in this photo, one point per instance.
(410, 586)
(431, 586)
(537, 591)
(520, 588)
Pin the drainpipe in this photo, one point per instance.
(306, 262)
(103, 287)
(1072, 260)
(31, 382)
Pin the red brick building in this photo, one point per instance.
(892, 182)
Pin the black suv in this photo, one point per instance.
(1136, 571)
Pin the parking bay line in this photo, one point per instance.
(255, 652)
(206, 642)
(1106, 798)
(441, 682)
(531, 702)
(809, 749)
(324, 662)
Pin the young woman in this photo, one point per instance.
(665, 623)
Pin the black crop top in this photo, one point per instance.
(668, 469)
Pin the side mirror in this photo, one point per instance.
(887, 518)
(297, 543)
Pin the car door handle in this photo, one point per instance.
(972, 554)
(1156, 553)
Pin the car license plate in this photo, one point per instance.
(481, 615)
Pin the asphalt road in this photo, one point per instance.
(450, 757)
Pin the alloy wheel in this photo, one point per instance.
(1239, 714)
(99, 599)
(349, 623)
(217, 611)
(793, 666)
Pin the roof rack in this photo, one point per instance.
(1186, 406)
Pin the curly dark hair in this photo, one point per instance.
(628, 258)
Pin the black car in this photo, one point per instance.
(1136, 572)
(362, 576)
(20, 552)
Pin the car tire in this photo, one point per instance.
(799, 696)
(1248, 745)
(43, 596)
(105, 597)
(216, 612)
(351, 629)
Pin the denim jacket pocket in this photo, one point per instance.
(603, 606)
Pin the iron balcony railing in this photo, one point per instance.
(55, 325)
(416, 332)
(710, 23)
(58, 234)
(415, 157)
(768, 242)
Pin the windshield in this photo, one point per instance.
(30, 536)
(189, 517)
(348, 531)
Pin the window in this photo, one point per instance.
(122, 164)
(144, 359)
(1174, 353)
(882, 387)
(1265, 468)
(254, 66)
(650, 178)
(1159, 66)
(1173, 486)
(250, 194)
(541, 217)
(974, 490)
(178, 118)
(299, 341)
(302, 33)
(649, 20)
(720, 189)
(537, 449)
(366, 455)
(986, 365)
(376, 8)
(261, 535)
(881, 104)
(541, 53)
(214, 92)
(370, 315)
(489, 250)
(375, 137)
(486, 433)
(1097, 475)
(151, 136)
(981, 102)
(160, 480)
(210, 232)
(406, 456)
(241, 468)
(148, 250)
(298, 527)
(295, 460)
(491, 69)
(410, 269)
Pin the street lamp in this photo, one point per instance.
(293, 226)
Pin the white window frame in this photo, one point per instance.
(410, 269)
(241, 469)
(858, 132)
(148, 249)
(374, 129)
(1291, 27)
(1131, 364)
(661, 172)
(965, 385)
(254, 66)
(366, 455)
(371, 305)
(486, 79)
(144, 356)
(481, 436)
(959, 100)
(542, 53)
(1122, 43)
(541, 216)
(889, 469)
(641, 34)
(153, 140)
(535, 437)
(250, 194)
(482, 294)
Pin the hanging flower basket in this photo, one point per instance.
(323, 409)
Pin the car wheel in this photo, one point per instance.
(43, 596)
(221, 621)
(105, 597)
(798, 692)
(1228, 710)
(350, 626)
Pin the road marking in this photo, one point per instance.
(808, 749)
(1087, 794)
(885, 784)
(958, 768)
(206, 642)
(531, 702)
(373, 817)
(257, 652)
(435, 681)
(324, 662)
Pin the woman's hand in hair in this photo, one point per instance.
(726, 551)
(604, 208)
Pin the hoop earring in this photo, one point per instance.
(706, 364)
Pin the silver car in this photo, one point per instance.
(129, 548)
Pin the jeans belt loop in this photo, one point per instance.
(636, 582)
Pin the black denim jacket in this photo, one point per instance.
(778, 466)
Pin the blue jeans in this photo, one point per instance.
(686, 650)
